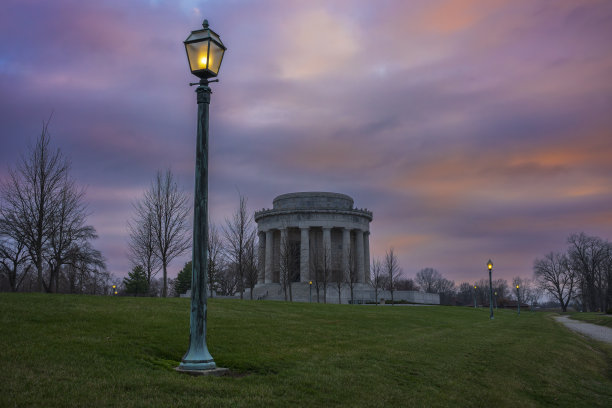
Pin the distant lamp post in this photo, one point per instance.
(310, 286)
(495, 300)
(115, 289)
(204, 53)
(490, 266)
(518, 300)
(475, 287)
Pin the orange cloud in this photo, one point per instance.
(456, 15)
(319, 42)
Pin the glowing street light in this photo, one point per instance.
(518, 300)
(310, 286)
(204, 53)
(495, 300)
(490, 266)
(475, 287)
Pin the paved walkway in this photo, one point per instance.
(601, 333)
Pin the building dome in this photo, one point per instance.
(313, 200)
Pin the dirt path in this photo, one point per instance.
(601, 333)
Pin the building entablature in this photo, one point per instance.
(294, 215)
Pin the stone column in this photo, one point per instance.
(346, 244)
(367, 256)
(269, 254)
(283, 248)
(327, 248)
(304, 255)
(359, 255)
(261, 267)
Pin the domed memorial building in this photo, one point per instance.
(314, 237)
(322, 225)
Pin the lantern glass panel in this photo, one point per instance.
(215, 57)
(198, 55)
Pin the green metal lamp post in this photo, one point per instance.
(310, 285)
(475, 287)
(204, 53)
(518, 300)
(490, 266)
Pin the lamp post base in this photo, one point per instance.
(216, 371)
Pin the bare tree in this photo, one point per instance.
(43, 211)
(227, 280)
(85, 273)
(13, 261)
(350, 275)
(142, 245)
(392, 270)
(445, 286)
(168, 209)
(589, 256)
(68, 232)
(238, 231)
(378, 280)
(465, 294)
(29, 197)
(406, 284)
(339, 282)
(320, 268)
(428, 279)
(554, 275)
(482, 291)
(289, 268)
(251, 272)
(216, 261)
(501, 287)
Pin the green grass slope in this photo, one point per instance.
(59, 351)
(594, 318)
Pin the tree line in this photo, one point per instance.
(160, 232)
(46, 244)
(387, 275)
(582, 275)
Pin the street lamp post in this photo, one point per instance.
(490, 266)
(475, 287)
(518, 300)
(204, 53)
(495, 300)
(310, 286)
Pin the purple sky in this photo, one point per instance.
(472, 129)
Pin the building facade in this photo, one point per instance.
(305, 234)
(313, 231)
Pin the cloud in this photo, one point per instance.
(472, 129)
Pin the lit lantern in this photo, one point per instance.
(204, 52)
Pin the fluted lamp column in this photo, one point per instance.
(204, 53)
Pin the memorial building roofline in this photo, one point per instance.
(361, 212)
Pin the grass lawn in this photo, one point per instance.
(595, 318)
(60, 350)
